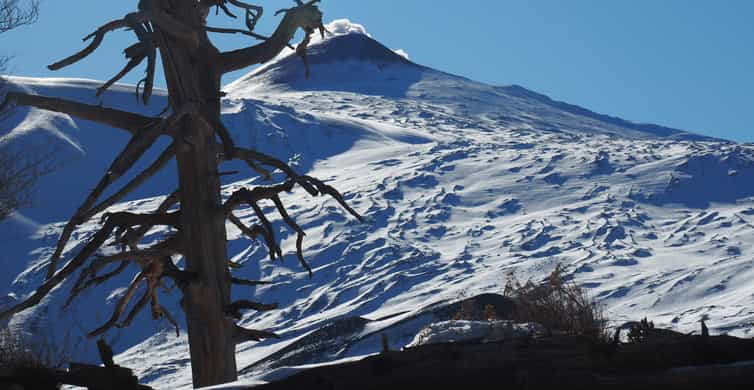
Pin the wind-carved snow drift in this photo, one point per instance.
(461, 183)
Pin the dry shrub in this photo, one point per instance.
(490, 314)
(640, 332)
(17, 353)
(468, 311)
(560, 306)
(21, 165)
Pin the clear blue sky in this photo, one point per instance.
(682, 63)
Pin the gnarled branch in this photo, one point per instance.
(221, 30)
(251, 197)
(138, 145)
(299, 231)
(250, 156)
(88, 277)
(241, 335)
(98, 36)
(118, 119)
(306, 16)
(185, 35)
(159, 311)
(121, 220)
(136, 54)
(144, 34)
(120, 306)
(252, 233)
(325, 189)
(138, 180)
(131, 153)
(245, 282)
(235, 308)
(134, 236)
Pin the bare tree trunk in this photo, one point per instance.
(192, 79)
(210, 331)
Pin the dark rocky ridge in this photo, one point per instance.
(559, 362)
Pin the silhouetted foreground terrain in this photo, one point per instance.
(672, 361)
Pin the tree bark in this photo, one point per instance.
(210, 331)
(192, 79)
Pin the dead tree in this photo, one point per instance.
(19, 168)
(196, 212)
(12, 16)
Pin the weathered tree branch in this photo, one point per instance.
(220, 30)
(80, 285)
(98, 36)
(118, 119)
(242, 335)
(138, 145)
(234, 309)
(88, 277)
(335, 194)
(306, 16)
(274, 248)
(252, 233)
(134, 236)
(138, 180)
(250, 156)
(140, 304)
(152, 273)
(253, 13)
(159, 311)
(245, 282)
(136, 54)
(184, 34)
(300, 233)
(144, 34)
(234, 265)
(251, 197)
(120, 306)
(131, 153)
(121, 220)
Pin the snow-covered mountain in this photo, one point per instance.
(461, 184)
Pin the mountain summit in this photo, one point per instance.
(350, 60)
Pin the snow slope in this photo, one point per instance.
(461, 184)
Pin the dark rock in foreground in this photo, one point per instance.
(673, 362)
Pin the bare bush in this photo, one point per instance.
(19, 353)
(558, 305)
(468, 311)
(13, 14)
(20, 168)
